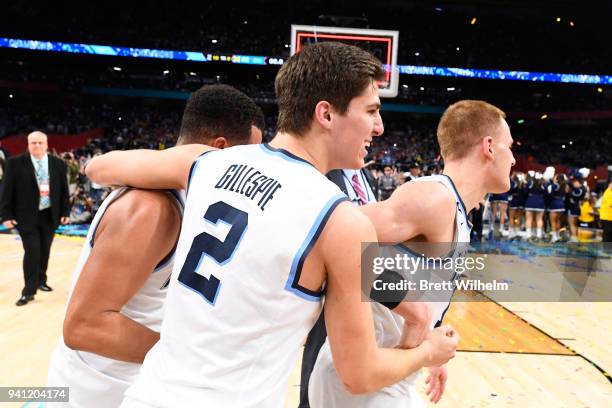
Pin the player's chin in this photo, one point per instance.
(356, 162)
(360, 162)
(502, 187)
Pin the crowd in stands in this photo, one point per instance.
(408, 147)
(480, 31)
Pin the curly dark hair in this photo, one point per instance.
(219, 110)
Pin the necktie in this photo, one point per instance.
(42, 178)
(359, 190)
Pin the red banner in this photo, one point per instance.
(18, 144)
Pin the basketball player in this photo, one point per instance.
(119, 286)
(263, 232)
(475, 143)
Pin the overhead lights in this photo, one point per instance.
(520, 121)
(450, 88)
(544, 116)
(213, 41)
(118, 69)
(474, 20)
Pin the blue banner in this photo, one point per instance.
(262, 60)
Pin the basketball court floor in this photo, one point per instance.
(511, 354)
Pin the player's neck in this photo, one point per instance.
(466, 179)
(304, 147)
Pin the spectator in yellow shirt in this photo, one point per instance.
(587, 213)
(605, 214)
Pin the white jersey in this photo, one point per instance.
(94, 380)
(326, 389)
(235, 315)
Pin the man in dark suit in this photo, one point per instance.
(35, 199)
(360, 188)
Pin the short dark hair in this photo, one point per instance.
(325, 71)
(219, 110)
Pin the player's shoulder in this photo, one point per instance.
(348, 222)
(136, 207)
(431, 194)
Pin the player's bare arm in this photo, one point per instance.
(361, 364)
(146, 168)
(137, 231)
(414, 210)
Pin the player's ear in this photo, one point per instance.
(487, 147)
(220, 143)
(323, 114)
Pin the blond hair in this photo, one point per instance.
(464, 124)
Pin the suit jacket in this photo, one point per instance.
(20, 196)
(336, 177)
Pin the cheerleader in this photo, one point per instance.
(499, 202)
(516, 197)
(534, 205)
(557, 190)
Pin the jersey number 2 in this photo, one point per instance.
(221, 251)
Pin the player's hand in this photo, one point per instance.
(9, 223)
(441, 345)
(65, 220)
(437, 382)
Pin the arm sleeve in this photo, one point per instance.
(389, 298)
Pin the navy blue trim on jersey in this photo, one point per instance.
(465, 212)
(93, 234)
(192, 170)
(439, 322)
(292, 284)
(179, 199)
(284, 154)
